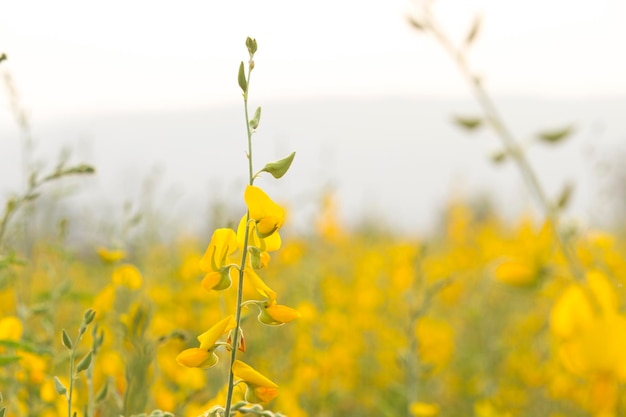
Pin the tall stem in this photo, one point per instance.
(511, 145)
(242, 266)
(71, 389)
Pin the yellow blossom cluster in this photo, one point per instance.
(482, 319)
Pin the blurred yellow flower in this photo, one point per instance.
(516, 272)
(110, 255)
(127, 275)
(267, 215)
(259, 388)
(419, 409)
(591, 335)
(435, 342)
(10, 328)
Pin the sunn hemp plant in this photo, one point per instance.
(587, 325)
(238, 255)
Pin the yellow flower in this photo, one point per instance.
(516, 272)
(10, 328)
(436, 342)
(275, 314)
(264, 244)
(127, 275)
(267, 215)
(419, 409)
(204, 356)
(110, 256)
(215, 262)
(259, 388)
(255, 280)
(592, 338)
(196, 358)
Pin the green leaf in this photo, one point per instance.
(243, 84)
(251, 45)
(498, 157)
(8, 359)
(468, 123)
(102, 393)
(2, 411)
(565, 196)
(279, 168)
(254, 123)
(59, 387)
(415, 24)
(65, 339)
(471, 35)
(89, 316)
(80, 169)
(25, 346)
(84, 363)
(255, 257)
(555, 136)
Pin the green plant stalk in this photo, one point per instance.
(14, 205)
(90, 391)
(237, 330)
(510, 143)
(71, 388)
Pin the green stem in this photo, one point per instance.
(90, 391)
(510, 143)
(237, 331)
(71, 388)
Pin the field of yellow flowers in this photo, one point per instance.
(482, 320)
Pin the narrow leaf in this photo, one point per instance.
(279, 168)
(415, 24)
(89, 316)
(84, 363)
(475, 29)
(8, 359)
(243, 84)
(555, 136)
(565, 196)
(28, 347)
(254, 123)
(59, 387)
(65, 339)
(251, 45)
(2, 410)
(498, 157)
(468, 123)
(102, 393)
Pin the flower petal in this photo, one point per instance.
(196, 358)
(268, 215)
(251, 376)
(211, 336)
(223, 244)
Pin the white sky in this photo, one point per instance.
(71, 57)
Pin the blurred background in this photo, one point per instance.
(146, 92)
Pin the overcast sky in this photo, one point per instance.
(72, 60)
(71, 57)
